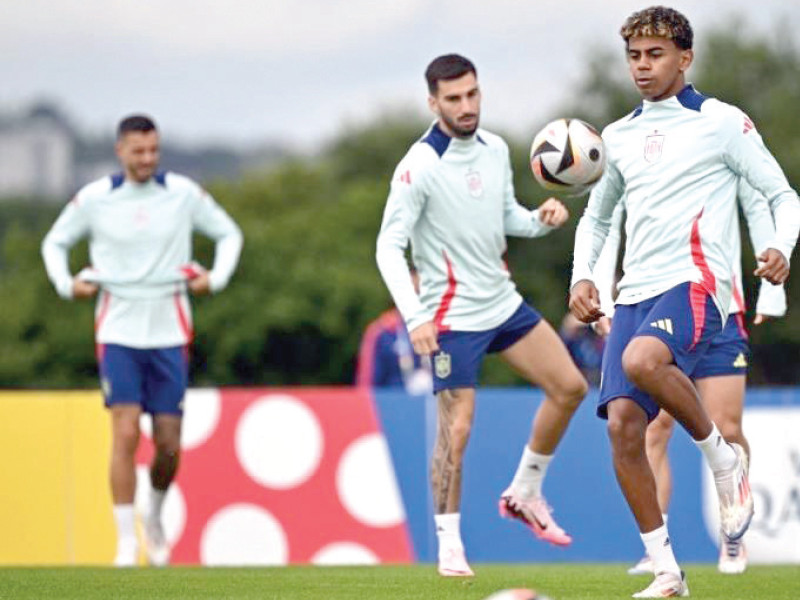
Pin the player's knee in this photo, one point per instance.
(626, 436)
(578, 389)
(731, 430)
(639, 367)
(659, 431)
(460, 430)
(569, 391)
(126, 435)
(169, 446)
(573, 393)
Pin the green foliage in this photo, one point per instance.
(307, 284)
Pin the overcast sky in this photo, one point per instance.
(249, 71)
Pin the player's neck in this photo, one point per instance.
(129, 178)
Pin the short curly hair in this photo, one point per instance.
(659, 21)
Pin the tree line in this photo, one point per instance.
(307, 284)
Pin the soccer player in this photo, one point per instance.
(720, 375)
(139, 224)
(452, 196)
(676, 159)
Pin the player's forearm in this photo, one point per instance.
(56, 263)
(226, 258)
(394, 270)
(518, 221)
(786, 211)
(589, 239)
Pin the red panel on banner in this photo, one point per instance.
(306, 465)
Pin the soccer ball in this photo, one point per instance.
(568, 156)
(518, 594)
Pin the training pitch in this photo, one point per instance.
(559, 582)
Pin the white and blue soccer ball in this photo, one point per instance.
(517, 594)
(568, 156)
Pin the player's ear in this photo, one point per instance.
(433, 106)
(687, 56)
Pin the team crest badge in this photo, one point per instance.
(474, 183)
(652, 147)
(442, 365)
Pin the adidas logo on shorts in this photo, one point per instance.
(663, 324)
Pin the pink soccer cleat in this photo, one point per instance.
(666, 585)
(735, 499)
(453, 563)
(732, 557)
(643, 567)
(535, 514)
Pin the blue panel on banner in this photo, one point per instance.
(403, 421)
(580, 483)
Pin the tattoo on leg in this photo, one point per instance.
(445, 474)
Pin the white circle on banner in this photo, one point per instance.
(201, 411)
(279, 441)
(243, 534)
(173, 511)
(366, 483)
(344, 553)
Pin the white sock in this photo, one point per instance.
(530, 473)
(659, 549)
(125, 519)
(718, 453)
(156, 503)
(664, 518)
(448, 530)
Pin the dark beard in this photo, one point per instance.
(461, 131)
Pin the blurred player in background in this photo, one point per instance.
(452, 196)
(386, 357)
(720, 376)
(584, 345)
(139, 224)
(676, 159)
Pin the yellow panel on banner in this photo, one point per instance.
(55, 505)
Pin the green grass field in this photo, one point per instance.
(559, 582)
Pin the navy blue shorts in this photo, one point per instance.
(684, 318)
(457, 362)
(729, 352)
(154, 378)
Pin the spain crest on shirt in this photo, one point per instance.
(653, 145)
(474, 183)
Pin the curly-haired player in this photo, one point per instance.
(677, 160)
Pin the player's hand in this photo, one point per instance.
(424, 338)
(602, 326)
(584, 302)
(82, 290)
(200, 285)
(773, 266)
(759, 319)
(553, 213)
